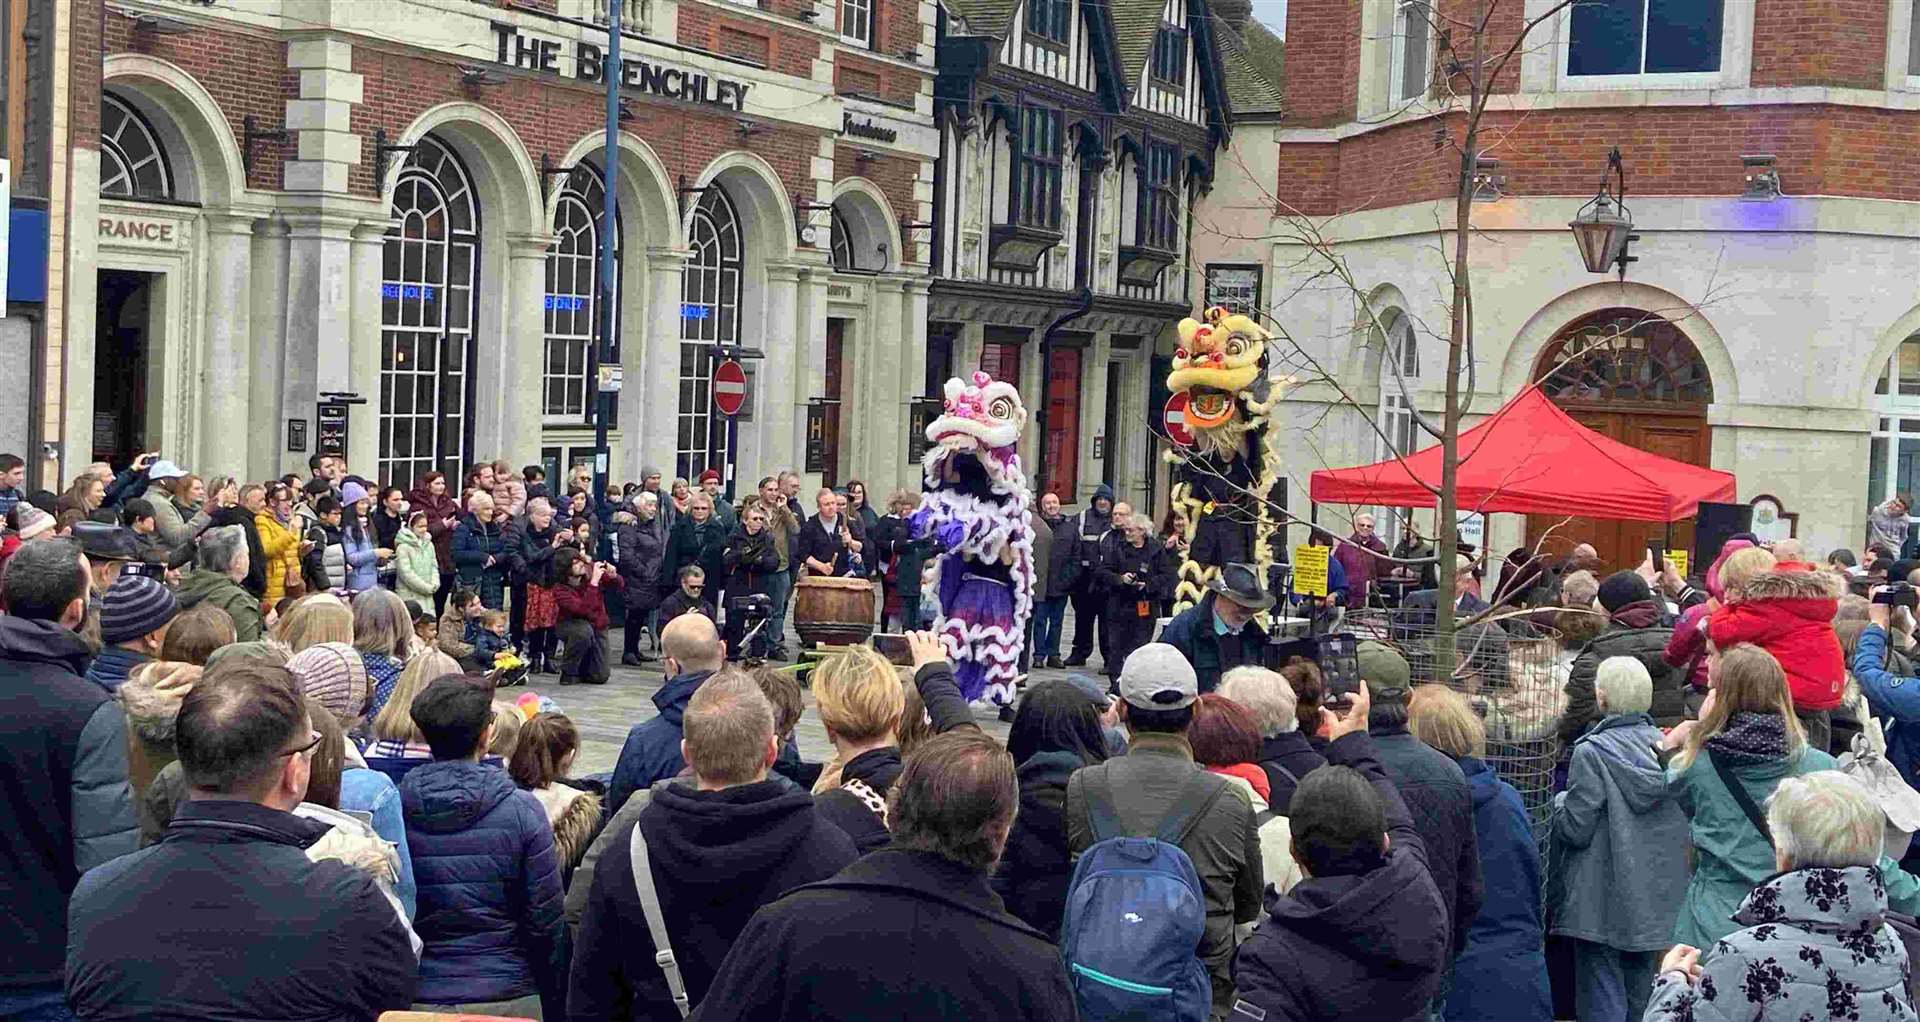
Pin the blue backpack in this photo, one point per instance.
(1136, 914)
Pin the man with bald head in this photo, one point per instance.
(693, 652)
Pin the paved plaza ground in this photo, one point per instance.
(604, 713)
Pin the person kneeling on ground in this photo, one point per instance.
(583, 615)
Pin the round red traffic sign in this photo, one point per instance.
(1176, 420)
(729, 387)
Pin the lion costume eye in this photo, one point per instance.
(1236, 347)
(1001, 408)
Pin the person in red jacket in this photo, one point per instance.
(1688, 647)
(583, 614)
(1789, 614)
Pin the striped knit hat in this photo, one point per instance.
(333, 673)
(134, 606)
(33, 521)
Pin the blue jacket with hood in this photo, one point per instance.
(489, 897)
(1502, 974)
(652, 749)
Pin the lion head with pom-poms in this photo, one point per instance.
(980, 425)
(1221, 365)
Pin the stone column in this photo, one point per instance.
(650, 405)
(320, 321)
(877, 424)
(227, 366)
(267, 456)
(791, 372)
(363, 343)
(913, 365)
(512, 429)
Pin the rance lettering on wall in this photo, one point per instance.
(129, 230)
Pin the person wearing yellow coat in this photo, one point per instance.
(279, 542)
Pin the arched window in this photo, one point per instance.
(1624, 357)
(133, 164)
(1894, 454)
(709, 315)
(426, 318)
(1400, 349)
(573, 274)
(841, 241)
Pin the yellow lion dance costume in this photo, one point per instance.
(1223, 483)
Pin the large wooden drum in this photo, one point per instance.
(833, 611)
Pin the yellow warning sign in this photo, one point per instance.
(1310, 570)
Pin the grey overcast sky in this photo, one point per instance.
(1273, 14)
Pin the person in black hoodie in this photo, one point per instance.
(1364, 935)
(642, 541)
(1129, 575)
(1056, 730)
(751, 559)
(529, 543)
(721, 844)
(1083, 532)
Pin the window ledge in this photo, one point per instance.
(1142, 265)
(1020, 247)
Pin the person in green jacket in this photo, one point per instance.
(1747, 735)
(218, 568)
(418, 563)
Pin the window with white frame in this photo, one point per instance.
(856, 22)
(1401, 350)
(1893, 465)
(572, 319)
(1913, 46)
(709, 316)
(1633, 37)
(1412, 49)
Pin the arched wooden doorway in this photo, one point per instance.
(1633, 376)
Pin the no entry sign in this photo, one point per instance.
(1176, 420)
(729, 387)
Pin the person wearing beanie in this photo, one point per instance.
(1434, 789)
(334, 674)
(33, 523)
(1636, 627)
(1158, 776)
(134, 615)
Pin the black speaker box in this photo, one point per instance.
(1715, 524)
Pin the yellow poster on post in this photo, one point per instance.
(1679, 559)
(1310, 570)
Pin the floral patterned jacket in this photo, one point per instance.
(1816, 946)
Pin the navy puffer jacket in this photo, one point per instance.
(490, 900)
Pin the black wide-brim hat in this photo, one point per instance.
(1241, 584)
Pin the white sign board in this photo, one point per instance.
(1471, 528)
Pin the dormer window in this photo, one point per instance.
(1169, 65)
(1049, 20)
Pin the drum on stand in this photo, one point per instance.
(833, 611)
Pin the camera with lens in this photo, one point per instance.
(1337, 656)
(1897, 594)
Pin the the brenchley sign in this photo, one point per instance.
(528, 52)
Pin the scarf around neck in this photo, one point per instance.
(1750, 738)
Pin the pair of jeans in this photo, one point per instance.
(1048, 616)
(779, 590)
(1611, 985)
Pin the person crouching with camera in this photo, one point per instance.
(577, 592)
(1894, 699)
(751, 559)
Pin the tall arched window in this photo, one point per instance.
(133, 163)
(1400, 349)
(1619, 357)
(426, 318)
(1894, 465)
(709, 315)
(841, 241)
(573, 271)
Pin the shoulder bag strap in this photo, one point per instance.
(1202, 790)
(656, 920)
(1739, 793)
(1284, 772)
(1103, 819)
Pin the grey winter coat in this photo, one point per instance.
(1816, 946)
(1623, 838)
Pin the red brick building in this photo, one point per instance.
(269, 204)
(1771, 325)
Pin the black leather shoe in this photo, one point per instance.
(1078, 661)
(632, 660)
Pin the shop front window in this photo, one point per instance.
(426, 318)
(709, 316)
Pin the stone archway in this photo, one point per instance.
(1636, 377)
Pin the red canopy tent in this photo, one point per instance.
(1532, 458)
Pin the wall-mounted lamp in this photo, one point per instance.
(1763, 178)
(1604, 227)
(803, 225)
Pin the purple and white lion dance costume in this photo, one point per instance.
(976, 508)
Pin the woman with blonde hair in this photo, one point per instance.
(860, 701)
(1502, 972)
(395, 735)
(314, 619)
(1727, 764)
(383, 633)
(83, 496)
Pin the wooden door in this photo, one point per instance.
(1683, 437)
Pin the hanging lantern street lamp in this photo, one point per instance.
(1603, 228)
